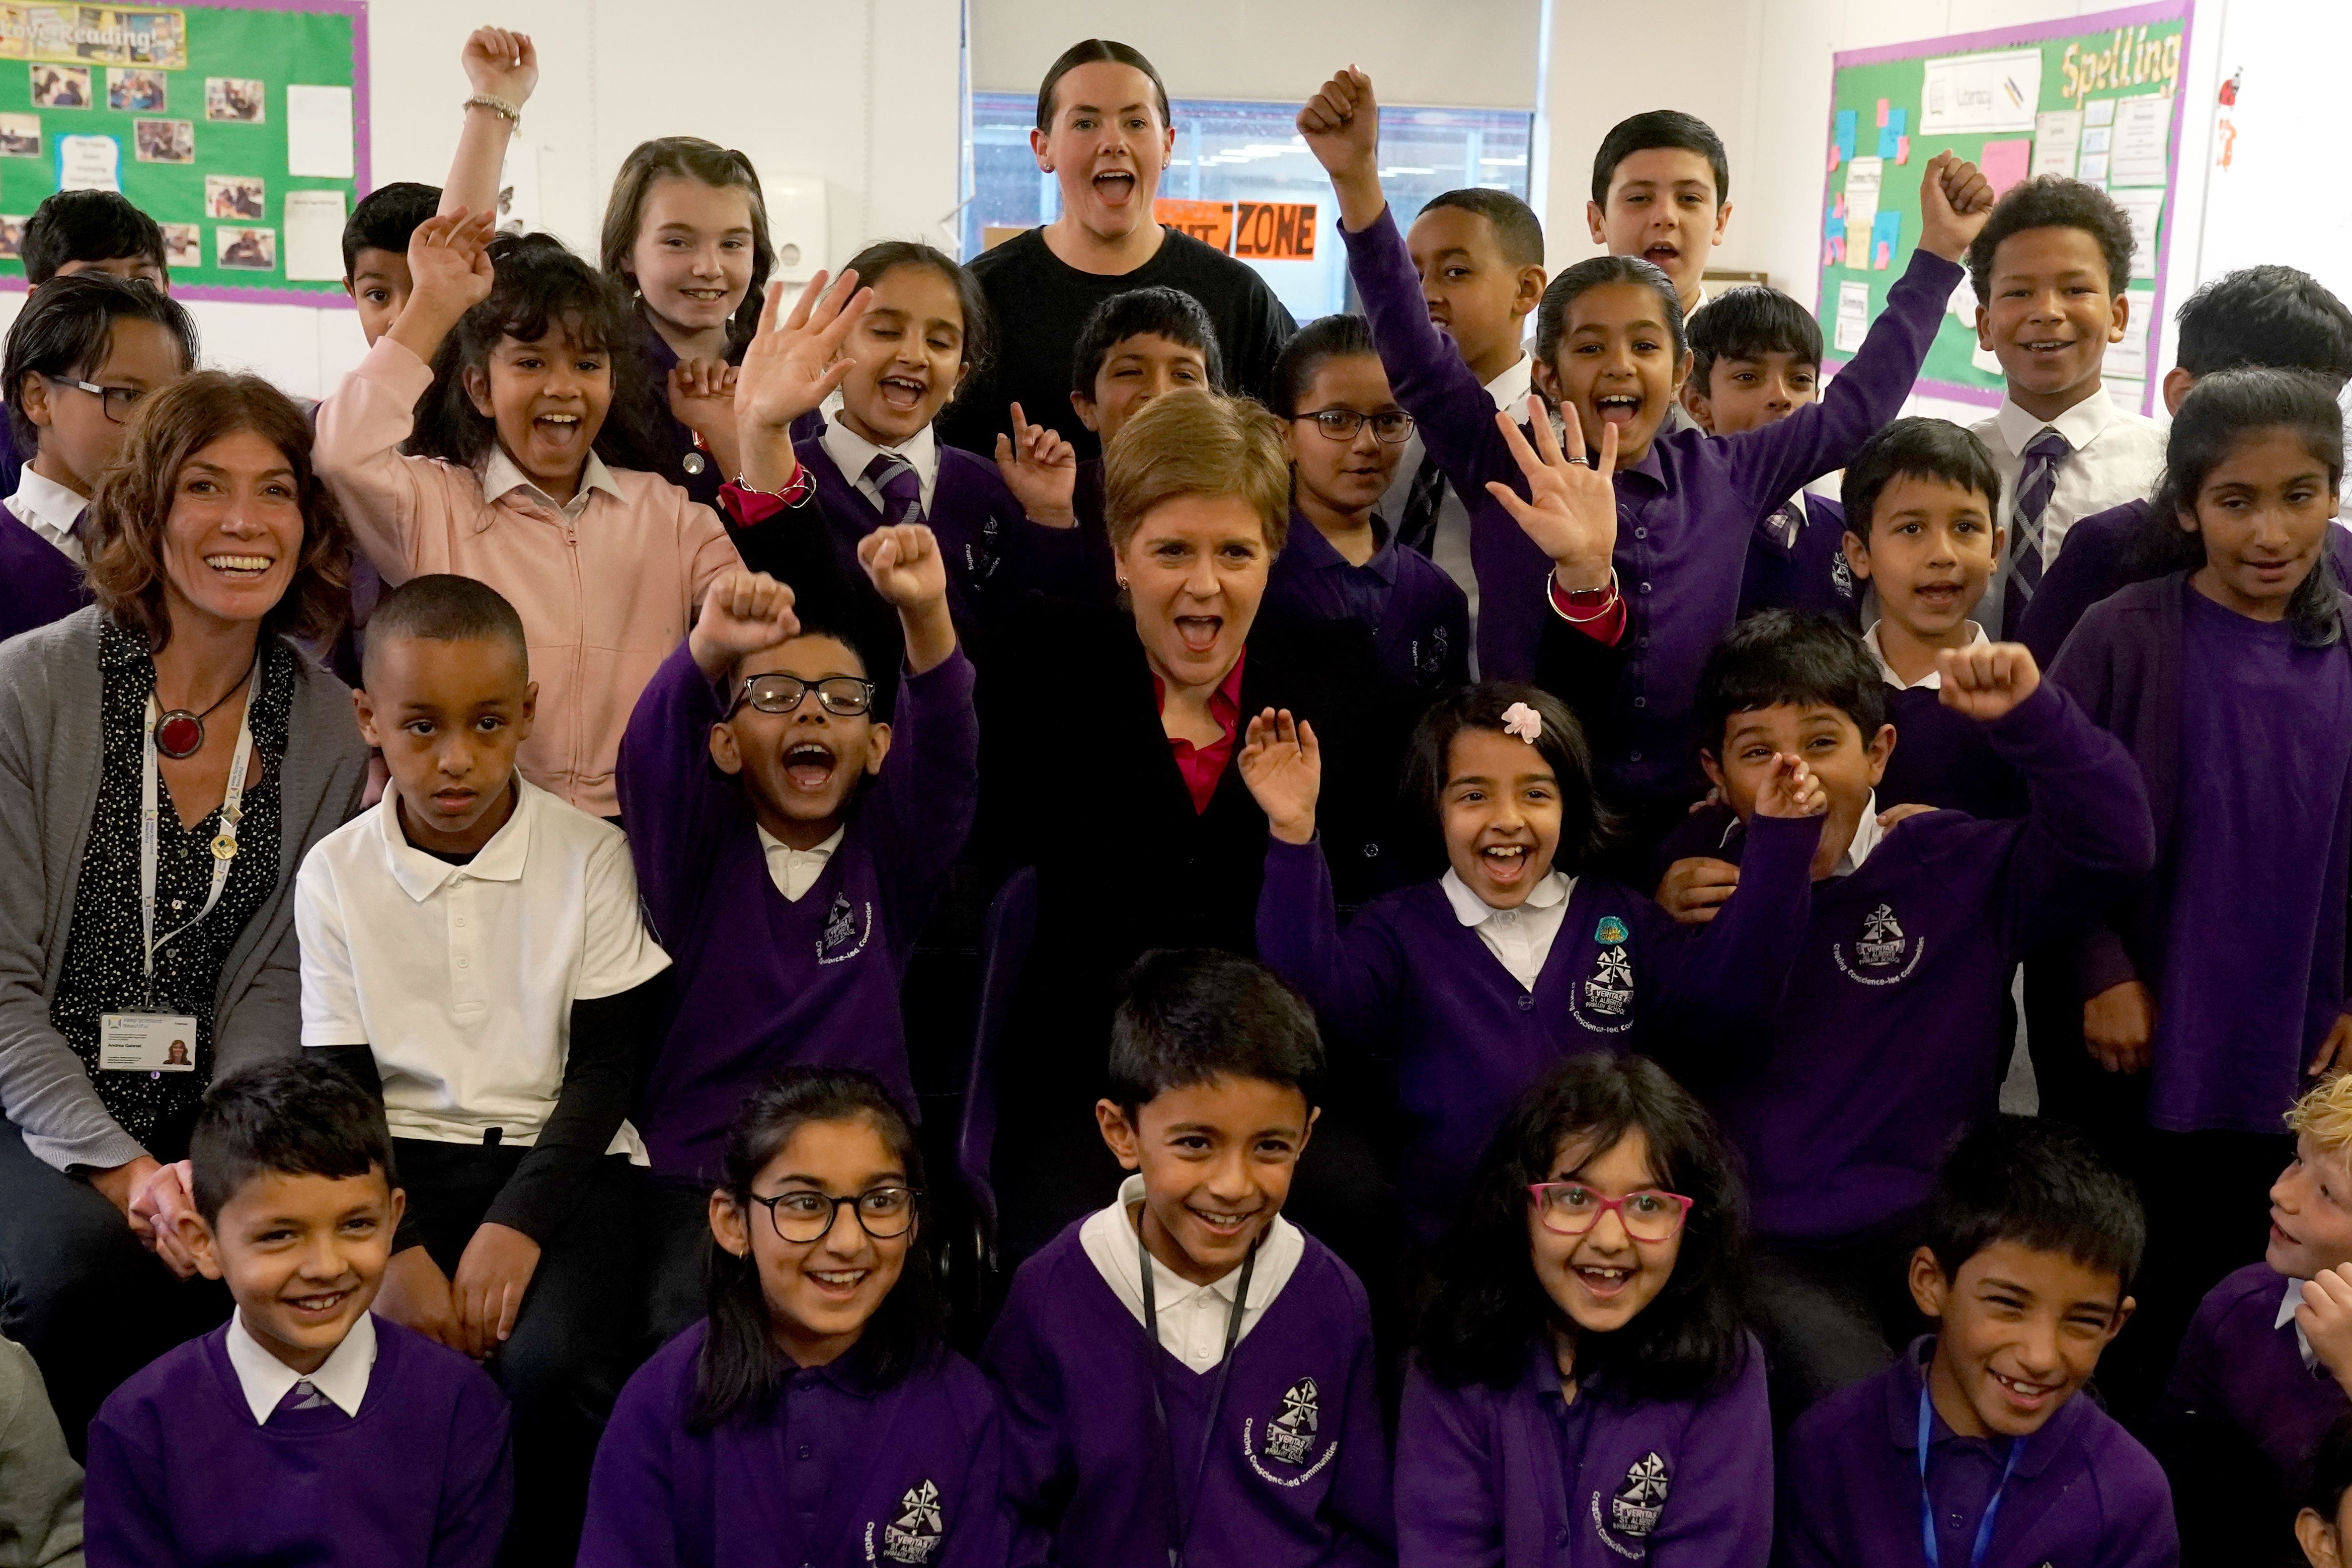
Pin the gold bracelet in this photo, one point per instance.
(1606, 604)
(507, 111)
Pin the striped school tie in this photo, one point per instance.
(303, 1395)
(1417, 530)
(902, 491)
(1786, 524)
(2035, 484)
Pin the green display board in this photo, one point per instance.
(2094, 98)
(241, 128)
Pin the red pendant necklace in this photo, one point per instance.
(180, 734)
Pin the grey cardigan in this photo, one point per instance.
(50, 755)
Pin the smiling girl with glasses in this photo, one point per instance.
(815, 1415)
(1582, 1377)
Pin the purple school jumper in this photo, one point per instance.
(1521, 1479)
(2239, 1361)
(2093, 562)
(2083, 1493)
(1685, 513)
(2245, 741)
(1884, 1045)
(763, 981)
(1297, 1467)
(838, 1470)
(42, 583)
(1418, 617)
(1408, 976)
(1944, 759)
(180, 1477)
(1809, 575)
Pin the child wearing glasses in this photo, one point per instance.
(472, 952)
(814, 1415)
(1187, 1376)
(1479, 981)
(1582, 1392)
(1977, 1448)
(1341, 562)
(82, 355)
(783, 865)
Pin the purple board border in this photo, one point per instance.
(2184, 11)
(357, 10)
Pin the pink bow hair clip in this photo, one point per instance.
(1524, 721)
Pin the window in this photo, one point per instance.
(1231, 150)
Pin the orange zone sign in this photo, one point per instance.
(1260, 231)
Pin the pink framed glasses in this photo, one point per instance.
(1571, 1208)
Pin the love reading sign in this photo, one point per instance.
(1254, 231)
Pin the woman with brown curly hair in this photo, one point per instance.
(167, 756)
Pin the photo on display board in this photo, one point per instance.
(12, 238)
(136, 91)
(20, 135)
(164, 141)
(60, 87)
(247, 250)
(183, 245)
(233, 197)
(234, 98)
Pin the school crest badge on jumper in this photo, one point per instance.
(1841, 575)
(1880, 954)
(1429, 655)
(915, 1531)
(1635, 1508)
(1603, 1002)
(846, 928)
(982, 555)
(1290, 1437)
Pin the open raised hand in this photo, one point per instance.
(1572, 515)
(1283, 766)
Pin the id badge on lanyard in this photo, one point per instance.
(147, 1038)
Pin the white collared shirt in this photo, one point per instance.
(1520, 939)
(2116, 457)
(265, 1381)
(795, 871)
(1866, 834)
(500, 474)
(1450, 548)
(2287, 1304)
(460, 979)
(852, 454)
(1192, 1318)
(50, 510)
(1933, 681)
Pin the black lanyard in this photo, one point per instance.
(1188, 1499)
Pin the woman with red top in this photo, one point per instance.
(1107, 738)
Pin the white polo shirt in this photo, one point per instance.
(460, 979)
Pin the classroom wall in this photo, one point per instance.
(1464, 53)
(865, 94)
(1758, 71)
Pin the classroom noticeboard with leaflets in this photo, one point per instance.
(241, 128)
(2094, 98)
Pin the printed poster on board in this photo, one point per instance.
(96, 35)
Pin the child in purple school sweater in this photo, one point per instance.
(1522, 953)
(1669, 516)
(787, 867)
(2220, 985)
(2263, 1371)
(1187, 1376)
(815, 1415)
(1978, 1448)
(307, 1433)
(1584, 1392)
(1885, 1044)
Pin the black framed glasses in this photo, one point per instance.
(843, 696)
(1341, 423)
(801, 1216)
(116, 403)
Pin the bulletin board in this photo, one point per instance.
(241, 128)
(2094, 98)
